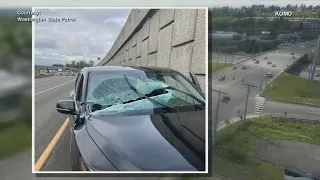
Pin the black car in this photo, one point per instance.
(136, 119)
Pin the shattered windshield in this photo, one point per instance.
(113, 96)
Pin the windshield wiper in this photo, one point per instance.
(188, 94)
(144, 96)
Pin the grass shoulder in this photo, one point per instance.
(294, 89)
(219, 66)
(235, 141)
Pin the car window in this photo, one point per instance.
(116, 97)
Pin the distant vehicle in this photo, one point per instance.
(243, 67)
(293, 57)
(269, 75)
(225, 99)
(265, 57)
(292, 53)
(59, 70)
(234, 67)
(257, 62)
(254, 59)
(318, 74)
(273, 65)
(60, 74)
(221, 78)
(269, 62)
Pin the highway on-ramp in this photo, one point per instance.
(253, 74)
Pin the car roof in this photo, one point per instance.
(125, 69)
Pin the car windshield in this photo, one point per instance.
(112, 93)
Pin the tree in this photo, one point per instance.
(91, 63)
(57, 65)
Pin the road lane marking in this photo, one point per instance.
(54, 87)
(46, 153)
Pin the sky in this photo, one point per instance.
(89, 37)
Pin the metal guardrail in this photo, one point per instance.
(292, 102)
(296, 119)
(42, 76)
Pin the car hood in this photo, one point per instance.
(162, 142)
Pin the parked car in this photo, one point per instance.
(234, 67)
(243, 67)
(265, 57)
(273, 65)
(318, 74)
(292, 53)
(257, 62)
(293, 57)
(134, 118)
(269, 62)
(269, 75)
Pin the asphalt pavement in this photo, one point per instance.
(47, 120)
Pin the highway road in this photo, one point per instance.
(48, 121)
(253, 74)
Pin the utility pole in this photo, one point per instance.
(245, 110)
(316, 58)
(215, 125)
(225, 59)
(247, 98)
(261, 82)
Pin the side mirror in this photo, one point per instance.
(66, 107)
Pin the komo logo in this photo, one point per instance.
(283, 13)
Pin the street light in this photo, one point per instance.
(247, 98)
(261, 82)
(217, 113)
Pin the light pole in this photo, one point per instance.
(217, 113)
(316, 58)
(247, 98)
(245, 108)
(261, 82)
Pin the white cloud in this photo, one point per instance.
(91, 36)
